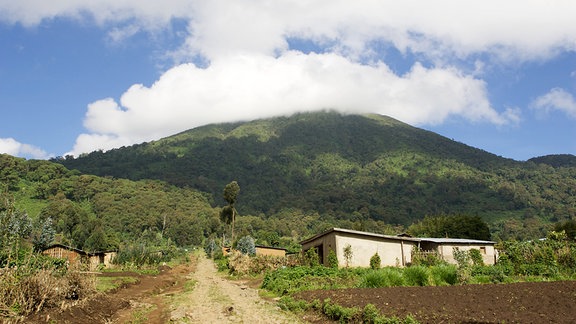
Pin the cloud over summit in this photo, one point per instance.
(235, 60)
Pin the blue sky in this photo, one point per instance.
(77, 77)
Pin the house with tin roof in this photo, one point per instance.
(394, 250)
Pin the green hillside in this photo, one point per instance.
(556, 160)
(348, 169)
(96, 213)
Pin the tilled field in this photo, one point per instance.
(541, 302)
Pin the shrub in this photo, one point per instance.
(311, 258)
(426, 258)
(476, 257)
(210, 248)
(375, 261)
(444, 275)
(462, 257)
(370, 314)
(340, 313)
(348, 254)
(293, 279)
(24, 289)
(417, 276)
(332, 259)
(290, 304)
(387, 277)
(246, 245)
(488, 274)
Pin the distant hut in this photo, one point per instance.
(79, 257)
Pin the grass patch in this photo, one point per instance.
(386, 277)
(335, 312)
(140, 313)
(107, 284)
(290, 280)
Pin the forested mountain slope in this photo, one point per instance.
(95, 213)
(348, 167)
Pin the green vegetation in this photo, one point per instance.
(541, 260)
(107, 284)
(375, 261)
(228, 213)
(246, 245)
(301, 175)
(319, 167)
(332, 259)
(370, 314)
(460, 226)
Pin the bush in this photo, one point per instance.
(290, 304)
(444, 275)
(332, 259)
(387, 277)
(339, 313)
(293, 279)
(425, 258)
(246, 245)
(310, 258)
(210, 248)
(25, 290)
(417, 276)
(488, 274)
(476, 257)
(348, 254)
(375, 261)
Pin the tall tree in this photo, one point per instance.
(228, 213)
(454, 226)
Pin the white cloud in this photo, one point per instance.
(509, 29)
(252, 72)
(244, 87)
(556, 99)
(15, 148)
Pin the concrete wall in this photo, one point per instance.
(261, 250)
(324, 244)
(392, 252)
(488, 252)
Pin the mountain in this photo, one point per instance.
(556, 160)
(346, 167)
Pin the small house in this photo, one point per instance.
(270, 250)
(261, 250)
(444, 247)
(394, 250)
(79, 257)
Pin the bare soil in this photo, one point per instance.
(190, 293)
(542, 302)
(196, 293)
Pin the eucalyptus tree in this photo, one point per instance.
(228, 213)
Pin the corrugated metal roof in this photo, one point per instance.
(342, 230)
(454, 240)
(400, 238)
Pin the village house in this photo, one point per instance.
(262, 250)
(92, 260)
(393, 250)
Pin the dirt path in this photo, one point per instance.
(217, 300)
(188, 293)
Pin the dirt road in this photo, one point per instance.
(217, 300)
(188, 293)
